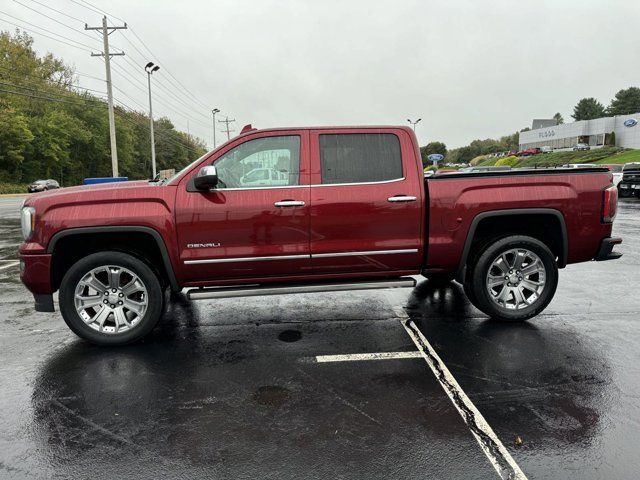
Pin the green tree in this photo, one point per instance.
(625, 102)
(587, 109)
(432, 147)
(558, 118)
(48, 129)
(14, 138)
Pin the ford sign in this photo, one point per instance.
(630, 122)
(435, 157)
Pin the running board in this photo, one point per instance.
(279, 289)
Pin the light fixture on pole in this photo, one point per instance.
(213, 112)
(414, 123)
(150, 68)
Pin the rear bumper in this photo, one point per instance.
(35, 273)
(606, 249)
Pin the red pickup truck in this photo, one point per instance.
(294, 210)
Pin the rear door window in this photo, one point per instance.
(360, 158)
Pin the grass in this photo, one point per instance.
(13, 188)
(605, 155)
(626, 156)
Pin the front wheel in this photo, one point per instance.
(110, 298)
(514, 278)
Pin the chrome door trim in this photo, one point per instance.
(247, 259)
(300, 257)
(275, 187)
(316, 185)
(363, 253)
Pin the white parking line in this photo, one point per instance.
(493, 448)
(358, 357)
(9, 265)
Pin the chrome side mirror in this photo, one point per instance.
(207, 178)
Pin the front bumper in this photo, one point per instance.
(606, 250)
(35, 273)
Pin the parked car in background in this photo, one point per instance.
(616, 171)
(528, 152)
(581, 146)
(42, 185)
(578, 165)
(546, 149)
(485, 169)
(630, 183)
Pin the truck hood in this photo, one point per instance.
(92, 189)
(130, 193)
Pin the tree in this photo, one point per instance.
(558, 118)
(432, 147)
(625, 102)
(49, 130)
(14, 137)
(587, 109)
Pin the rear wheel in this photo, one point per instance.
(514, 279)
(111, 298)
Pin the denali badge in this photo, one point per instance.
(202, 245)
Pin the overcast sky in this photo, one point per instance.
(469, 69)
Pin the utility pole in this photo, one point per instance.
(150, 68)
(106, 31)
(213, 112)
(227, 121)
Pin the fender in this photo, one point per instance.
(562, 258)
(166, 260)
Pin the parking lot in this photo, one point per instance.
(281, 387)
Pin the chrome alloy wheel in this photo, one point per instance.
(111, 299)
(516, 279)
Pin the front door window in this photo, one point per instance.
(262, 162)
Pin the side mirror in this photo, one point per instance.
(206, 179)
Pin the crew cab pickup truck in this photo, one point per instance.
(348, 208)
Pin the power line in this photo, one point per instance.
(58, 11)
(46, 30)
(190, 96)
(53, 19)
(27, 29)
(50, 99)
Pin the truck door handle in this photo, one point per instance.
(290, 203)
(402, 198)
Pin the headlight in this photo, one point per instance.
(27, 220)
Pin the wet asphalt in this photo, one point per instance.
(231, 388)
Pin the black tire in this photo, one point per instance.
(154, 298)
(484, 300)
(625, 192)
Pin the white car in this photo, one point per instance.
(267, 177)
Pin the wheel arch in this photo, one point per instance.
(561, 248)
(148, 232)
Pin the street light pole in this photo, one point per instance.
(414, 123)
(213, 112)
(150, 68)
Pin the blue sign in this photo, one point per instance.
(94, 181)
(435, 157)
(630, 122)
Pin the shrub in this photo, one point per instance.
(13, 188)
(511, 161)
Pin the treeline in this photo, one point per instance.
(625, 102)
(50, 128)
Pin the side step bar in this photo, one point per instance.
(280, 289)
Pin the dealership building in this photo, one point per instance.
(596, 133)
